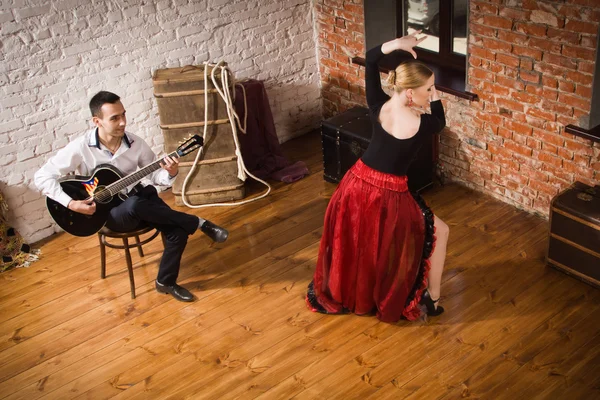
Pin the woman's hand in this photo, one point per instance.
(405, 43)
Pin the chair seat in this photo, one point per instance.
(107, 232)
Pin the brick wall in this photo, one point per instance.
(531, 63)
(56, 55)
(340, 27)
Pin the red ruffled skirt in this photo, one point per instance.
(375, 249)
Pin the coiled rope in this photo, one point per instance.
(234, 120)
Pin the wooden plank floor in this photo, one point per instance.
(513, 329)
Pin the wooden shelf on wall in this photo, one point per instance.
(591, 134)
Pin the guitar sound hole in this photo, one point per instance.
(98, 200)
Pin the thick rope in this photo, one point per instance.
(234, 120)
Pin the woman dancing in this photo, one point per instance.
(382, 249)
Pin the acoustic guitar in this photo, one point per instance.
(106, 185)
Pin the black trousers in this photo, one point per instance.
(145, 208)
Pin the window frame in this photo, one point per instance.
(446, 57)
(591, 129)
(380, 26)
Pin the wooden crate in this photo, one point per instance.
(179, 94)
(219, 141)
(212, 180)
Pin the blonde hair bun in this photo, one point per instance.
(409, 75)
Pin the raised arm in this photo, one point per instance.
(375, 93)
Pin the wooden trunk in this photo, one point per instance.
(180, 96)
(574, 238)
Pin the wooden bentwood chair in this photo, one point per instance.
(105, 233)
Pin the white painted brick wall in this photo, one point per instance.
(57, 54)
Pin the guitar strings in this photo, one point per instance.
(106, 193)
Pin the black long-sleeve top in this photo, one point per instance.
(387, 153)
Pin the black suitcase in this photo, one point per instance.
(346, 136)
(574, 237)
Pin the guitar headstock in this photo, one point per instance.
(190, 144)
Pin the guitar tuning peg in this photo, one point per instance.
(182, 141)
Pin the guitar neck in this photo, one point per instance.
(136, 176)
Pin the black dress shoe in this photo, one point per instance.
(180, 293)
(214, 232)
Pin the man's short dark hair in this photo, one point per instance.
(99, 100)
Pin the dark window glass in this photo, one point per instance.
(444, 22)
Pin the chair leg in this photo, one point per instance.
(102, 257)
(137, 241)
(129, 267)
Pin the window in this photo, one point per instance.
(590, 127)
(444, 22)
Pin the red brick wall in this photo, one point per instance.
(340, 25)
(531, 64)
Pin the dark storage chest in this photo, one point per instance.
(346, 136)
(574, 239)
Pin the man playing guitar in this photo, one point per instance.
(108, 143)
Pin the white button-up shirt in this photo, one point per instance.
(86, 152)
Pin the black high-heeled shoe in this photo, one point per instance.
(427, 301)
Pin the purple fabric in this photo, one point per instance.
(260, 146)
